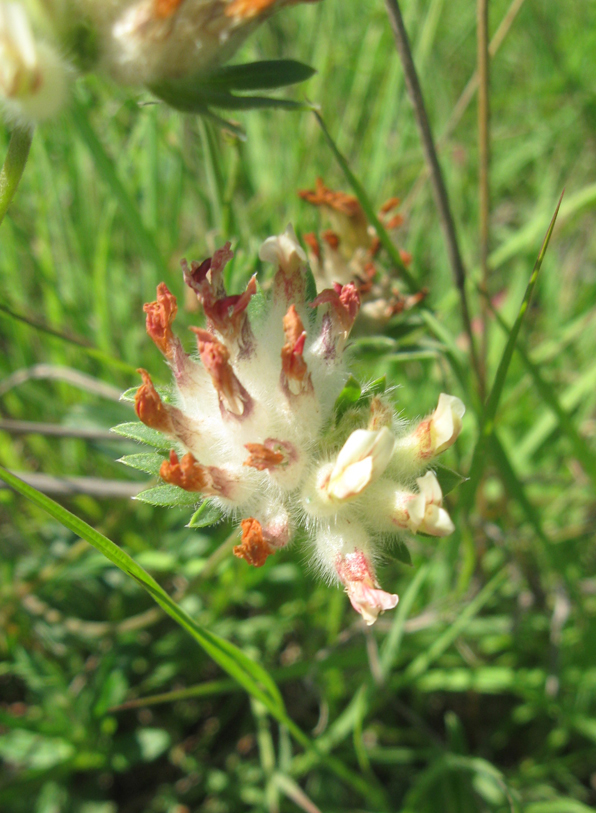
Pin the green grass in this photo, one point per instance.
(479, 692)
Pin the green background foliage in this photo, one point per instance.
(479, 692)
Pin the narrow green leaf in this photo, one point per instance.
(232, 660)
(207, 514)
(584, 454)
(227, 101)
(492, 402)
(135, 430)
(264, 75)
(198, 98)
(149, 463)
(168, 495)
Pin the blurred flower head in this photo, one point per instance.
(349, 249)
(260, 424)
(144, 43)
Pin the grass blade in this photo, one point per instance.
(106, 169)
(232, 660)
(516, 488)
(248, 674)
(580, 449)
(492, 402)
(421, 663)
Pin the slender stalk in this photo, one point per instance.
(483, 176)
(14, 164)
(430, 154)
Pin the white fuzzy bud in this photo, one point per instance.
(284, 251)
(363, 458)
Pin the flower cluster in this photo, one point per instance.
(135, 42)
(348, 251)
(255, 426)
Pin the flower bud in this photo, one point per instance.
(286, 254)
(426, 510)
(363, 458)
(434, 434)
(356, 573)
(389, 507)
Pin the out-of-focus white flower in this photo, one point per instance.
(34, 79)
(255, 427)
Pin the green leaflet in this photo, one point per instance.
(135, 430)
(168, 495)
(149, 462)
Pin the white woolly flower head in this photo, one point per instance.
(261, 426)
(34, 78)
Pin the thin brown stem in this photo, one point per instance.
(483, 176)
(430, 155)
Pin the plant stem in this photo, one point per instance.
(430, 154)
(483, 176)
(14, 164)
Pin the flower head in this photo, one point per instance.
(347, 252)
(256, 429)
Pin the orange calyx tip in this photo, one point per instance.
(216, 359)
(166, 8)
(310, 238)
(321, 195)
(344, 301)
(292, 360)
(185, 473)
(150, 408)
(389, 205)
(264, 456)
(160, 316)
(245, 9)
(254, 548)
